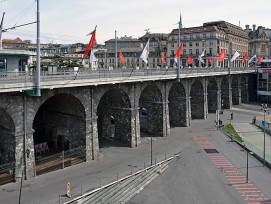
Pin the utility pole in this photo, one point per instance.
(37, 91)
(1, 30)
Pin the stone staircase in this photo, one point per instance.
(123, 190)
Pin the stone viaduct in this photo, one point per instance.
(85, 114)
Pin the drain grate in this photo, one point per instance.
(211, 151)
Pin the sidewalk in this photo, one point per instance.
(253, 137)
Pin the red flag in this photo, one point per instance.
(244, 58)
(122, 60)
(91, 43)
(162, 59)
(189, 60)
(221, 57)
(178, 54)
(210, 61)
(259, 60)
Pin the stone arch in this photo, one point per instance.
(114, 117)
(235, 89)
(177, 105)
(61, 123)
(197, 100)
(225, 100)
(7, 138)
(151, 100)
(212, 89)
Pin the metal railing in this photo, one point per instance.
(60, 160)
(7, 172)
(25, 77)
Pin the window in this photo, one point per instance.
(212, 35)
(203, 43)
(3, 64)
(190, 44)
(197, 36)
(184, 45)
(190, 51)
(262, 48)
(172, 44)
(172, 52)
(184, 37)
(191, 37)
(204, 36)
(184, 51)
(211, 43)
(197, 51)
(197, 44)
(210, 51)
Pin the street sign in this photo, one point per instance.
(68, 189)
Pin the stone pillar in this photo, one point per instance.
(239, 95)
(166, 124)
(188, 109)
(95, 140)
(218, 99)
(135, 128)
(89, 141)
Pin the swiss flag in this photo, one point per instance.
(178, 54)
(244, 58)
(259, 60)
(189, 60)
(221, 57)
(91, 43)
(210, 61)
(122, 60)
(162, 59)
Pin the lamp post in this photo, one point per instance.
(264, 108)
(105, 64)
(247, 164)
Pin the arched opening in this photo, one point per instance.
(212, 95)
(150, 103)
(59, 133)
(7, 147)
(197, 100)
(177, 105)
(114, 119)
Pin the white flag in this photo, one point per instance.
(145, 53)
(92, 57)
(201, 55)
(236, 54)
(252, 59)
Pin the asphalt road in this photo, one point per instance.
(193, 178)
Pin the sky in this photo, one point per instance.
(69, 21)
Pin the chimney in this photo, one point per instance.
(247, 28)
(254, 27)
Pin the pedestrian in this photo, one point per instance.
(231, 116)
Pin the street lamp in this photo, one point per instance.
(264, 108)
(247, 162)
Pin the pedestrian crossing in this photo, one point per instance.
(247, 190)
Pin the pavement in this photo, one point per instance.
(117, 162)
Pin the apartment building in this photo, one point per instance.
(213, 37)
(259, 41)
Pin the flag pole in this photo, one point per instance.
(116, 50)
(38, 93)
(179, 39)
(1, 30)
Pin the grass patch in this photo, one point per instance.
(229, 131)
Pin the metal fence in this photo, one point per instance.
(60, 160)
(82, 73)
(7, 172)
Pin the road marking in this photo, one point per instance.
(236, 178)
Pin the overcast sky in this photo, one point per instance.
(69, 21)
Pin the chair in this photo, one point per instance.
(41, 149)
(37, 149)
(45, 146)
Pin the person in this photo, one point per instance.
(231, 116)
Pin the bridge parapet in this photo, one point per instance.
(20, 81)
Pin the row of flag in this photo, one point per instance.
(146, 51)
